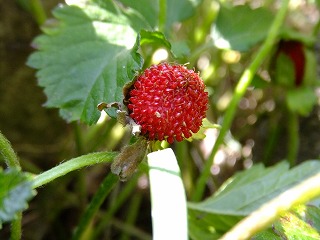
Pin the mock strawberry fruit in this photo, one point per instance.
(168, 102)
(295, 51)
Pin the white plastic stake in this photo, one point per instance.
(168, 198)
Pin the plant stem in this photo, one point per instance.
(240, 90)
(37, 11)
(8, 154)
(133, 212)
(104, 189)
(135, 232)
(264, 216)
(162, 15)
(78, 139)
(71, 165)
(293, 137)
(16, 227)
(11, 160)
(273, 137)
(80, 150)
(121, 198)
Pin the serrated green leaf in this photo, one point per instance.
(85, 59)
(246, 192)
(15, 191)
(240, 28)
(249, 189)
(301, 100)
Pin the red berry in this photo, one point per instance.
(294, 50)
(168, 102)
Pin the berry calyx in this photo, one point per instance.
(168, 102)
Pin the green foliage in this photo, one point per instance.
(300, 223)
(15, 192)
(266, 235)
(250, 27)
(154, 37)
(147, 10)
(310, 78)
(301, 100)
(105, 188)
(84, 60)
(284, 74)
(201, 228)
(249, 190)
(162, 13)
